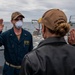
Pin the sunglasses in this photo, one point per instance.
(18, 19)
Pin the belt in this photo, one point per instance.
(11, 65)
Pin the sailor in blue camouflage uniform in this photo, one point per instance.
(17, 42)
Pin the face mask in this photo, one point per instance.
(19, 24)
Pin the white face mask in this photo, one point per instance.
(18, 24)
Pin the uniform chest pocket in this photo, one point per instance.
(26, 42)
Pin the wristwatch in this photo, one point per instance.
(73, 45)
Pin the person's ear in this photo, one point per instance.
(43, 28)
(11, 21)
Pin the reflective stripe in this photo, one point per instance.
(14, 66)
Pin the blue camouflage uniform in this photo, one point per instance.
(14, 50)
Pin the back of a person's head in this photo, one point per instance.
(56, 21)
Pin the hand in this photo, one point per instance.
(1, 24)
(1, 21)
(71, 37)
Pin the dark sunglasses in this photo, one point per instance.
(18, 19)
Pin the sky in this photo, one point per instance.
(34, 9)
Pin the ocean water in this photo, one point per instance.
(29, 26)
(26, 25)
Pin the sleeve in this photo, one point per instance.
(26, 67)
(31, 44)
(1, 39)
(0, 32)
(73, 45)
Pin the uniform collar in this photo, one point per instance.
(52, 40)
(12, 32)
(14, 37)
